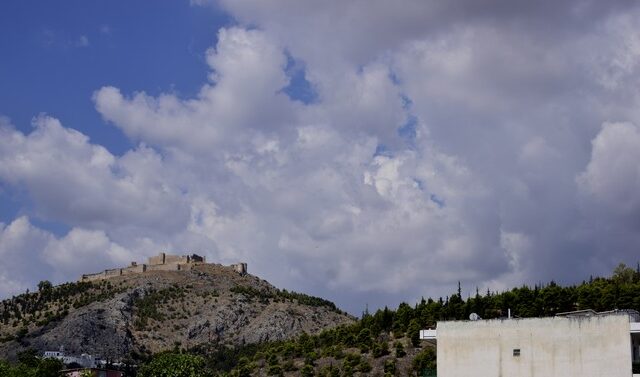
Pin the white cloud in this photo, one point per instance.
(80, 183)
(612, 177)
(20, 244)
(243, 97)
(81, 251)
(501, 103)
(31, 254)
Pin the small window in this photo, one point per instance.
(516, 352)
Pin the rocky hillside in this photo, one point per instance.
(138, 315)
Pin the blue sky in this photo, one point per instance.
(365, 152)
(55, 55)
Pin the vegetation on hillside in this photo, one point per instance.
(174, 365)
(147, 305)
(50, 303)
(265, 295)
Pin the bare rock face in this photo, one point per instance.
(100, 328)
(146, 313)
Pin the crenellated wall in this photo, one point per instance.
(160, 262)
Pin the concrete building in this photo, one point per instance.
(79, 372)
(84, 360)
(577, 344)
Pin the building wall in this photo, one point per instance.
(113, 272)
(163, 267)
(164, 258)
(175, 259)
(240, 268)
(158, 259)
(93, 277)
(597, 346)
(160, 262)
(136, 269)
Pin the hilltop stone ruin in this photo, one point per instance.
(160, 262)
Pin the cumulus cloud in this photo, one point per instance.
(80, 183)
(29, 253)
(483, 142)
(19, 240)
(243, 98)
(612, 177)
(81, 251)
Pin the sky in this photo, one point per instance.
(369, 152)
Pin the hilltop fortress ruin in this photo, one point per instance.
(160, 262)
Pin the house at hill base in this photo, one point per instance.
(84, 360)
(94, 372)
(574, 344)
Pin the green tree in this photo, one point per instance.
(306, 371)
(174, 365)
(364, 366)
(390, 366)
(425, 361)
(310, 358)
(49, 368)
(5, 368)
(380, 349)
(243, 368)
(275, 370)
(400, 352)
(413, 331)
(44, 286)
(623, 274)
(29, 358)
(364, 336)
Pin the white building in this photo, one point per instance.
(577, 344)
(84, 360)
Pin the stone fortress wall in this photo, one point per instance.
(160, 262)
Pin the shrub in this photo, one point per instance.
(425, 360)
(380, 349)
(174, 365)
(307, 371)
(400, 352)
(390, 366)
(274, 370)
(364, 366)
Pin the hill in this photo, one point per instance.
(384, 343)
(134, 316)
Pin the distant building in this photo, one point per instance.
(78, 372)
(575, 344)
(160, 262)
(84, 360)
